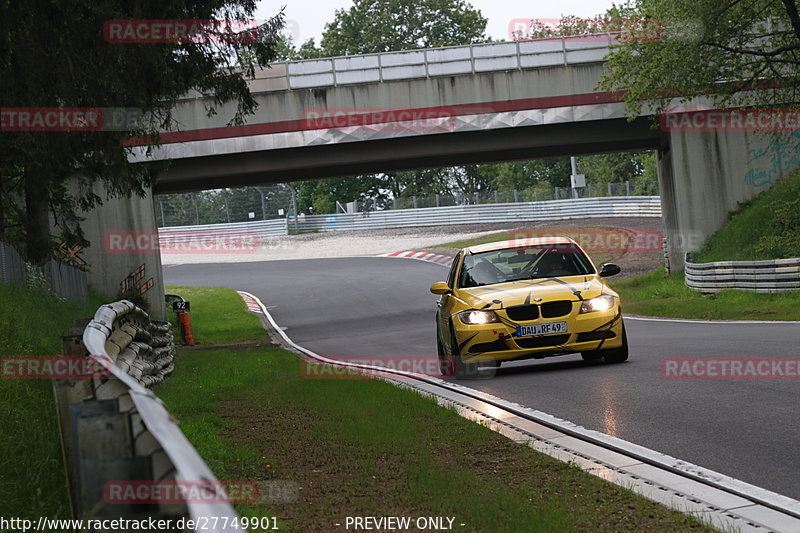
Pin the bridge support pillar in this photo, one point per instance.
(704, 175)
(123, 255)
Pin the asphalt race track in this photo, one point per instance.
(374, 306)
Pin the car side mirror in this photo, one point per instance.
(440, 287)
(609, 269)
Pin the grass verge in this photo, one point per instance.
(363, 447)
(32, 481)
(218, 317)
(658, 294)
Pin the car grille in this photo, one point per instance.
(557, 308)
(523, 312)
(541, 342)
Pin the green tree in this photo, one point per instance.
(424, 182)
(372, 26)
(71, 64)
(322, 195)
(612, 167)
(711, 47)
(521, 175)
(287, 51)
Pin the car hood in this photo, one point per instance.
(525, 292)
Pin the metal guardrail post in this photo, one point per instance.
(471, 59)
(65, 393)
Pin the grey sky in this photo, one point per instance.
(307, 18)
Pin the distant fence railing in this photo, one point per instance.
(66, 280)
(592, 190)
(756, 276)
(623, 206)
(617, 206)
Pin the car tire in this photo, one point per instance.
(462, 370)
(595, 355)
(614, 355)
(617, 355)
(446, 370)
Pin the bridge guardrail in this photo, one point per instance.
(429, 62)
(756, 276)
(137, 433)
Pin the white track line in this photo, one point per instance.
(702, 321)
(724, 500)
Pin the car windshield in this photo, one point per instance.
(520, 263)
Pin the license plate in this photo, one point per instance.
(549, 328)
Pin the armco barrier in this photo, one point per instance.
(140, 440)
(578, 208)
(261, 228)
(755, 276)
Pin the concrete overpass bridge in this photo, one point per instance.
(452, 106)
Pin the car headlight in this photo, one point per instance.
(478, 317)
(601, 303)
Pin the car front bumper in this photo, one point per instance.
(497, 341)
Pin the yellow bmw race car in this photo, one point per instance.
(523, 299)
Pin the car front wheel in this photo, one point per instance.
(460, 369)
(614, 355)
(445, 361)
